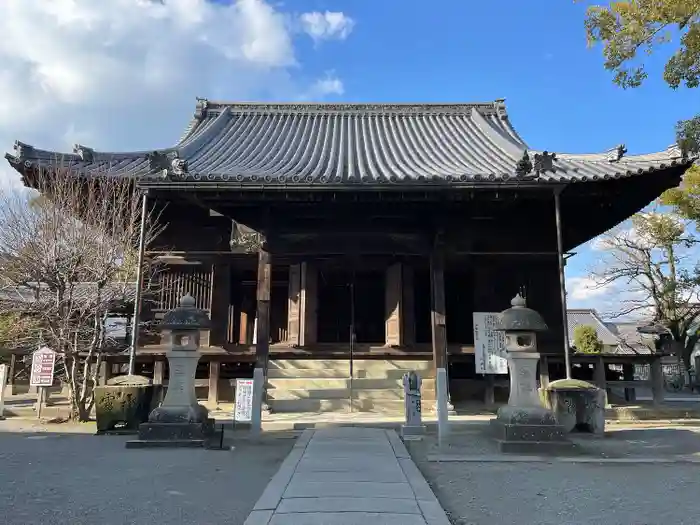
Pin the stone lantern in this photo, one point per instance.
(524, 424)
(180, 420)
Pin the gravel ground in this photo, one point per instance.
(502, 493)
(66, 477)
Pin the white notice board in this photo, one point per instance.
(244, 400)
(489, 345)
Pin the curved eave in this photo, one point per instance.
(261, 145)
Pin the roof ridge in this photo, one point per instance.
(495, 107)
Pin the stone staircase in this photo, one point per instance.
(376, 386)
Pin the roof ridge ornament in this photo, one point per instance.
(22, 150)
(169, 164)
(523, 168)
(544, 162)
(86, 154)
(500, 105)
(200, 112)
(616, 153)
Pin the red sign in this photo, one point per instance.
(43, 361)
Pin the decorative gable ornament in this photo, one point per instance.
(169, 165)
(86, 154)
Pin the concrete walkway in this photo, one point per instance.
(348, 476)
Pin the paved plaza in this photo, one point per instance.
(64, 475)
(348, 476)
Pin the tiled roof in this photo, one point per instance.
(631, 341)
(351, 143)
(577, 318)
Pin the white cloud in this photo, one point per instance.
(327, 26)
(124, 74)
(584, 288)
(328, 85)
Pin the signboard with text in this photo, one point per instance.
(43, 361)
(489, 345)
(243, 410)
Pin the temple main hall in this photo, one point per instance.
(337, 245)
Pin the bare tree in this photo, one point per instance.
(69, 259)
(652, 261)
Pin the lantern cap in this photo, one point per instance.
(520, 318)
(186, 316)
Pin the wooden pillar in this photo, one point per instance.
(308, 304)
(657, 381)
(214, 372)
(294, 305)
(262, 346)
(393, 304)
(409, 306)
(158, 372)
(220, 301)
(439, 328)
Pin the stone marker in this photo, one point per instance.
(525, 425)
(180, 421)
(413, 428)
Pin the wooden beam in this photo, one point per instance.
(409, 305)
(220, 300)
(294, 320)
(262, 345)
(394, 305)
(439, 328)
(308, 304)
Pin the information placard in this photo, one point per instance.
(243, 410)
(43, 361)
(489, 345)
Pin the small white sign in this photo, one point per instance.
(244, 400)
(489, 345)
(43, 361)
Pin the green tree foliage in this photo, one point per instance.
(627, 27)
(686, 198)
(586, 340)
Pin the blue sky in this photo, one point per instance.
(120, 74)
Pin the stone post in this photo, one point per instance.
(3, 381)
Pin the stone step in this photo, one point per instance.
(343, 393)
(333, 383)
(309, 405)
(302, 373)
(386, 407)
(321, 393)
(309, 364)
(362, 368)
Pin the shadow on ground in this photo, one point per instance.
(72, 477)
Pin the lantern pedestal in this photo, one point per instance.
(524, 425)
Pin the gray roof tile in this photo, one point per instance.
(577, 318)
(354, 143)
